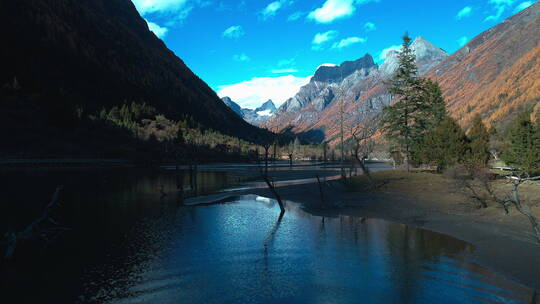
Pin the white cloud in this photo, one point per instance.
(384, 52)
(500, 7)
(295, 16)
(161, 32)
(522, 6)
(321, 38)
(251, 93)
(160, 6)
(347, 42)
(235, 31)
(464, 13)
(284, 71)
(462, 41)
(271, 9)
(327, 65)
(332, 10)
(370, 26)
(241, 58)
(335, 9)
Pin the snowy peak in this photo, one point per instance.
(427, 56)
(254, 117)
(268, 106)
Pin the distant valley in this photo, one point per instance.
(254, 116)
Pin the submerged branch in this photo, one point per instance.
(34, 229)
(274, 192)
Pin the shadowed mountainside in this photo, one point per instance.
(86, 55)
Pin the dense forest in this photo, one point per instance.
(69, 60)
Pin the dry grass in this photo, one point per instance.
(438, 188)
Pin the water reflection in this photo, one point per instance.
(128, 246)
(244, 252)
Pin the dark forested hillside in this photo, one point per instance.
(82, 56)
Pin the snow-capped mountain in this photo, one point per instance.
(253, 116)
(357, 85)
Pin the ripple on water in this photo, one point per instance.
(242, 253)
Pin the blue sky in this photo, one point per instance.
(254, 50)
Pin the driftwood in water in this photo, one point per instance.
(34, 229)
(274, 192)
(320, 189)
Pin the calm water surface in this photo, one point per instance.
(129, 245)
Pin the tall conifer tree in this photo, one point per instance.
(418, 106)
(479, 143)
(397, 117)
(445, 145)
(524, 146)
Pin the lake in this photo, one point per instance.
(128, 244)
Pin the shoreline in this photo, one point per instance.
(503, 244)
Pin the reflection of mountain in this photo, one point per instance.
(358, 85)
(256, 116)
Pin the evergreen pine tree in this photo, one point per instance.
(524, 145)
(445, 145)
(430, 110)
(397, 117)
(418, 108)
(479, 143)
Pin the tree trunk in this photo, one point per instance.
(320, 189)
(527, 213)
(274, 192)
(266, 159)
(365, 169)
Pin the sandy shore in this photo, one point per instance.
(504, 243)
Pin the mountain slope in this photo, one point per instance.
(96, 54)
(315, 110)
(233, 105)
(497, 73)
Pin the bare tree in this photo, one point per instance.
(38, 229)
(266, 146)
(274, 150)
(481, 190)
(325, 150)
(292, 148)
(521, 206)
(361, 135)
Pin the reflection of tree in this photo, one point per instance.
(407, 246)
(271, 235)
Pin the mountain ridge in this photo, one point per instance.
(99, 54)
(497, 73)
(315, 108)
